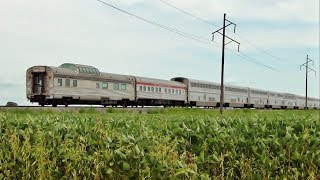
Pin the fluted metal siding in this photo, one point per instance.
(86, 90)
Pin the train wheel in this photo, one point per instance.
(124, 104)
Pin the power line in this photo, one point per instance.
(262, 50)
(187, 35)
(207, 22)
(244, 56)
(201, 19)
(181, 33)
(257, 62)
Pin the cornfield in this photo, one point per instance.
(159, 144)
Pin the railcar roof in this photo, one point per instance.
(262, 90)
(58, 70)
(114, 76)
(209, 82)
(154, 80)
(201, 81)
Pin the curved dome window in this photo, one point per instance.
(81, 68)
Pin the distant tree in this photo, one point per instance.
(11, 104)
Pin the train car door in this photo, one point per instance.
(38, 83)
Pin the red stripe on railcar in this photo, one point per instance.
(161, 85)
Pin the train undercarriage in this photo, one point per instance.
(66, 101)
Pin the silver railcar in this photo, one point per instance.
(82, 84)
(154, 92)
(77, 84)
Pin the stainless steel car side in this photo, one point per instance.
(83, 84)
(207, 94)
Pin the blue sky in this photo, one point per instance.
(43, 32)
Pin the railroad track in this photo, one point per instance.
(99, 108)
(70, 108)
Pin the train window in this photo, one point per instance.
(172, 90)
(165, 90)
(104, 85)
(176, 91)
(116, 86)
(140, 88)
(157, 89)
(75, 83)
(67, 82)
(152, 89)
(59, 82)
(98, 85)
(149, 89)
(179, 91)
(169, 91)
(123, 87)
(144, 88)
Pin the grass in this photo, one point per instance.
(159, 144)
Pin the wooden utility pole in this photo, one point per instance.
(223, 48)
(308, 69)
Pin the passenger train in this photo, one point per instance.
(82, 84)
